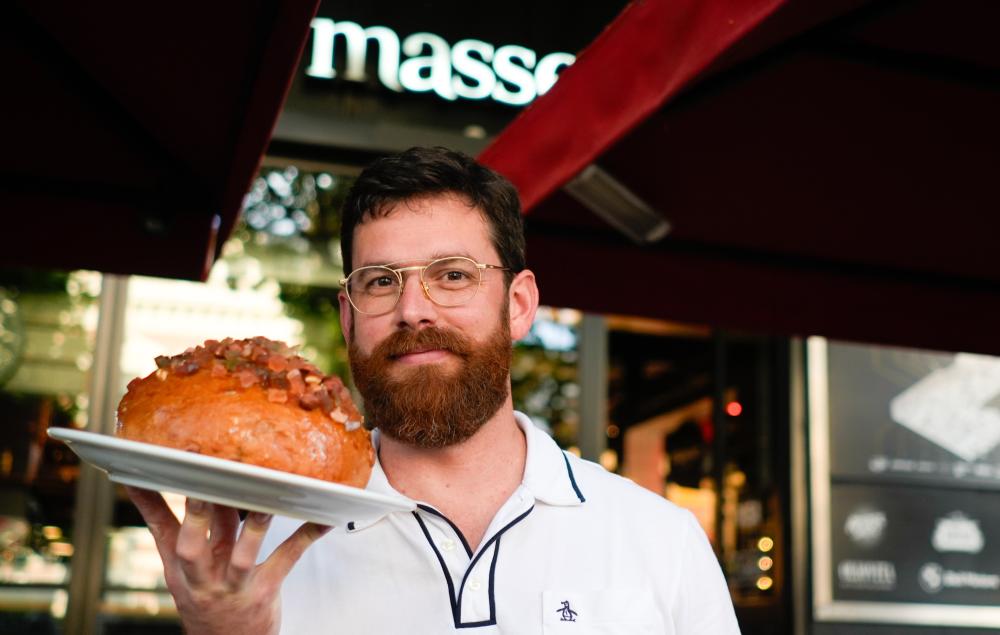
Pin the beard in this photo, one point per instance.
(428, 406)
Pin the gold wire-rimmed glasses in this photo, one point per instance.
(450, 281)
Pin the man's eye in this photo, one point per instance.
(377, 284)
(456, 276)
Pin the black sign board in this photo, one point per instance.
(905, 460)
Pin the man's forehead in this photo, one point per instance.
(425, 204)
(424, 228)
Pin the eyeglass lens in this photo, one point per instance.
(450, 282)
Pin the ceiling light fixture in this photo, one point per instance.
(619, 206)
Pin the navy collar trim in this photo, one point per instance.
(548, 473)
(572, 479)
(456, 600)
(454, 527)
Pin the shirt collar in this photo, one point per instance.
(378, 483)
(548, 475)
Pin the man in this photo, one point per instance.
(511, 535)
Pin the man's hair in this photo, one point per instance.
(421, 172)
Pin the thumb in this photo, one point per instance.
(280, 562)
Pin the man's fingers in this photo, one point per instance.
(192, 541)
(244, 553)
(225, 524)
(205, 543)
(161, 521)
(288, 553)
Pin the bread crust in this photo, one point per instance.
(238, 407)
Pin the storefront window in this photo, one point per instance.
(698, 417)
(752, 539)
(47, 326)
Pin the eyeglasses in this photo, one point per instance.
(448, 281)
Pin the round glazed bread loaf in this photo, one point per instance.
(254, 401)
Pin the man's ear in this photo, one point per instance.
(522, 303)
(346, 316)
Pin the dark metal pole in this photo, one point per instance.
(719, 453)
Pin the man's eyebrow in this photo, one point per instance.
(451, 254)
(435, 256)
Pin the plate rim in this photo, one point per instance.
(69, 436)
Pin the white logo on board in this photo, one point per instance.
(865, 527)
(957, 532)
(933, 578)
(876, 575)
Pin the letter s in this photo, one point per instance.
(477, 70)
(514, 74)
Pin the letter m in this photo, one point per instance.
(321, 62)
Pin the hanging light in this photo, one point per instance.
(619, 206)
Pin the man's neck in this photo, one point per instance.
(467, 482)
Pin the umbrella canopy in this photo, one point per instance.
(130, 135)
(815, 167)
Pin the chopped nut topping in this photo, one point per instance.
(274, 366)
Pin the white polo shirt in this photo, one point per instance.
(575, 549)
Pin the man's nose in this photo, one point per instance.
(415, 307)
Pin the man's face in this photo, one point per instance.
(432, 375)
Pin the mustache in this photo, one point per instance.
(404, 342)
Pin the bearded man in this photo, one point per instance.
(510, 534)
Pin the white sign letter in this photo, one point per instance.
(321, 60)
(322, 63)
(547, 71)
(437, 65)
(475, 69)
(514, 74)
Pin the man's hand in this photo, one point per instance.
(212, 573)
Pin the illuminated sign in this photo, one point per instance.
(424, 62)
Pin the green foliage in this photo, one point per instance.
(288, 208)
(544, 386)
(317, 308)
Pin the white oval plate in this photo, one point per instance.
(226, 482)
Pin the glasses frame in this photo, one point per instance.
(398, 271)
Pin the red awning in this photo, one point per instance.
(131, 133)
(825, 166)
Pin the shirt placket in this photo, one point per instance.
(453, 553)
(476, 589)
(471, 577)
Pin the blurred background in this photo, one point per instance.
(770, 330)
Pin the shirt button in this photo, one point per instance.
(447, 544)
(474, 585)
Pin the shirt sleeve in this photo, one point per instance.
(703, 605)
